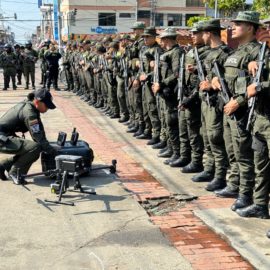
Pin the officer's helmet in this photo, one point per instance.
(47, 42)
(8, 46)
(28, 44)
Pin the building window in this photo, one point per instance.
(174, 19)
(194, 3)
(125, 15)
(106, 19)
(143, 14)
(159, 19)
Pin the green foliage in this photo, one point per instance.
(262, 6)
(227, 7)
(196, 19)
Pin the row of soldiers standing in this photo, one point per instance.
(18, 62)
(189, 103)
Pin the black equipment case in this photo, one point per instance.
(73, 147)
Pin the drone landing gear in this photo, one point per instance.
(64, 188)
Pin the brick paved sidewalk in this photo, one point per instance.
(192, 238)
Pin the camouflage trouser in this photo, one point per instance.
(209, 165)
(9, 73)
(104, 89)
(239, 141)
(89, 83)
(131, 95)
(191, 143)
(112, 101)
(151, 112)
(139, 121)
(19, 72)
(171, 118)
(121, 96)
(29, 71)
(70, 83)
(214, 133)
(75, 79)
(262, 161)
(26, 153)
(162, 117)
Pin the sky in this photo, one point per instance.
(25, 10)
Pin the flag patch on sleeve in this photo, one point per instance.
(34, 126)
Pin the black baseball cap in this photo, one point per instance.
(45, 96)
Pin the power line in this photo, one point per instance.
(20, 2)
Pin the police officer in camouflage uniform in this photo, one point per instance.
(24, 117)
(43, 65)
(19, 63)
(151, 118)
(30, 57)
(122, 77)
(67, 65)
(135, 93)
(110, 57)
(213, 107)
(165, 89)
(261, 142)
(8, 62)
(191, 143)
(52, 57)
(237, 78)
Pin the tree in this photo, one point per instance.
(263, 7)
(227, 7)
(196, 19)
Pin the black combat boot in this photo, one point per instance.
(123, 119)
(204, 176)
(227, 192)
(154, 140)
(144, 136)
(216, 184)
(166, 154)
(139, 132)
(268, 234)
(133, 129)
(2, 173)
(180, 162)
(254, 210)
(192, 168)
(242, 202)
(171, 159)
(114, 116)
(159, 145)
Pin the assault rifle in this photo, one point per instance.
(180, 93)
(225, 92)
(200, 72)
(256, 80)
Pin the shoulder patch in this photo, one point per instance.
(33, 122)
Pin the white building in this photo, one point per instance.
(117, 16)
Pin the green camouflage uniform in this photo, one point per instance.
(23, 117)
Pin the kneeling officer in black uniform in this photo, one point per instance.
(23, 117)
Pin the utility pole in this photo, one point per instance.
(59, 28)
(136, 10)
(216, 8)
